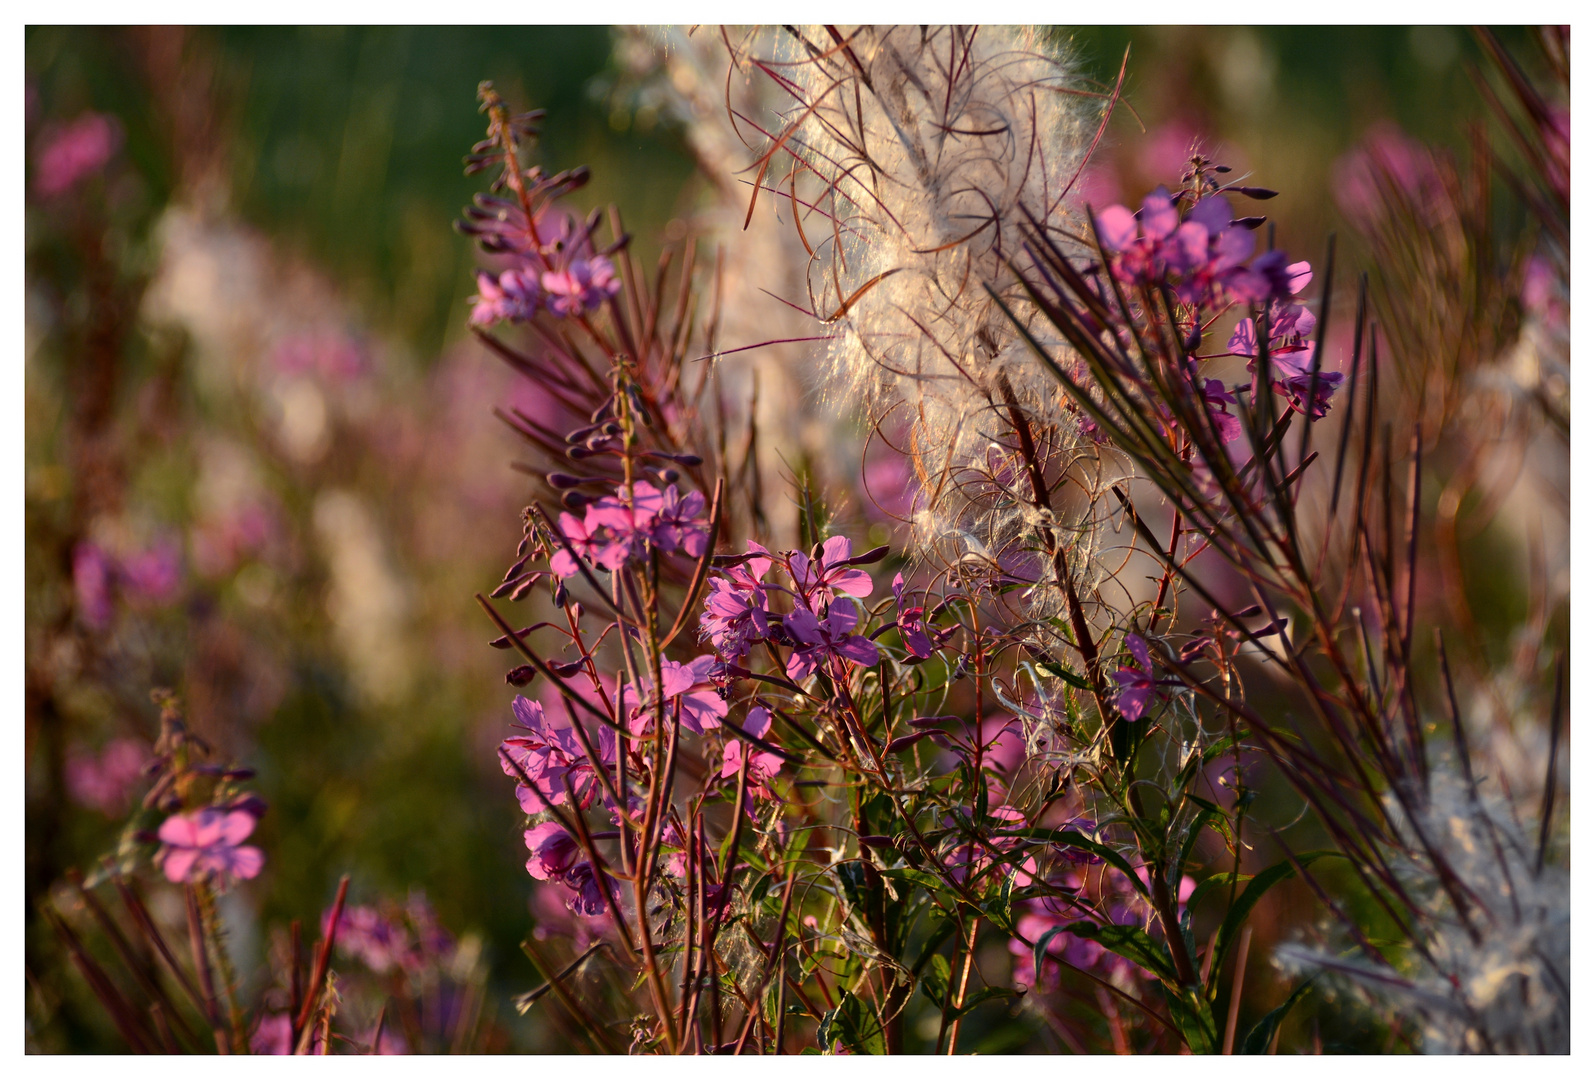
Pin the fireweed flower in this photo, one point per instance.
(1218, 402)
(736, 611)
(679, 524)
(581, 286)
(549, 754)
(513, 296)
(380, 943)
(828, 575)
(1136, 686)
(209, 841)
(76, 152)
(587, 889)
(1142, 249)
(627, 523)
(762, 765)
(687, 687)
(554, 851)
(104, 781)
(819, 640)
(911, 624)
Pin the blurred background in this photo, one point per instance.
(262, 466)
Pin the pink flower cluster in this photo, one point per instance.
(820, 626)
(515, 295)
(1206, 254)
(148, 578)
(616, 530)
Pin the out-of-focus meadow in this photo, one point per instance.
(263, 468)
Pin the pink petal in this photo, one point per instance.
(246, 862)
(177, 863)
(1116, 225)
(178, 831)
(853, 582)
(236, 827)
(1159, 219)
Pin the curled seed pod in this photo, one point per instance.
(667, 476)
(1258, 193)
(578, 453)
(523, 588)
(563, 481)
(581, 433)
(521, 676)
(561, 595)
(565, 671)
(612, 429)
(575, 500)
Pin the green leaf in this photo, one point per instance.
(853, 1023)
(1236, 916)
(978, 998)
(1193, 1015)
(936, 978)
(1130, 942)
(1052, 668)
(1040, 952)
(1257, 1039)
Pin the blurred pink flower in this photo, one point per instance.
(74, 152)
(91, 580)
(209, 841)
(104, 782)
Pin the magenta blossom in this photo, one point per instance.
(549, 754)
(76, 151)
(1136, 686)
(554, 851)
(1218, 402)
(818, 641)
(1142, 258)
(581, 286)
(679, 526)
(208, 841)
(92, 578)
(736, 612)
(588, 889)
(762, 765)
(512, 296)
(829, 574)
(911, 624)
(104, 781)
(687, 687)
(627, 524)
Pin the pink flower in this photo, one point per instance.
(380, 943)
(208, 841)
(817, 641)
(554, 851)
(735, 609)
(76, 151)
(581, 286)
(92, 572)
(580, 536)
(512, 296)
(762, 765)
(1136, 685)
(1218, 402)
(830, 574)
(588, 889)
(154, 576)
(548, 754)
(685, 686)
(627, 522)
(911, 624)
(104, 782)
(678, 525)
